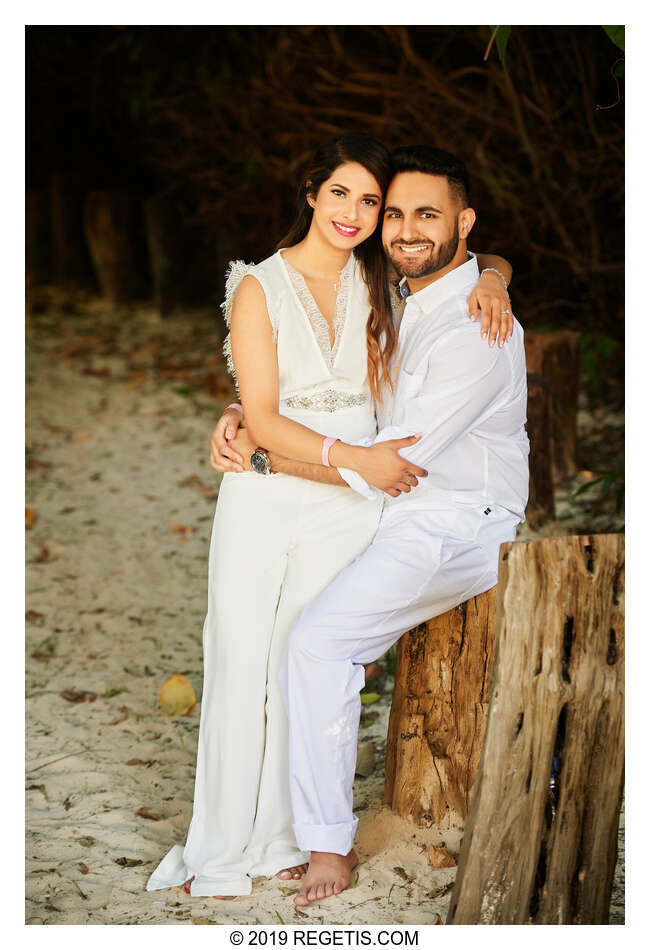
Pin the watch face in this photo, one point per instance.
(260, 463)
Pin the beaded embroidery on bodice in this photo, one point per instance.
(319, 324)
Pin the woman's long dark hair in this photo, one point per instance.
(375, 158)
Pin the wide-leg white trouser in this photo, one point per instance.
(420, 564)
(277, 542)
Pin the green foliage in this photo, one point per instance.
(616, 35)
(611, 480)
(597, 354)
(501, 39)
(389, 660)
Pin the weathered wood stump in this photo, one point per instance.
(541, 502)
(71, 263)
(531, 854)
(439, 711)
(115, 236)
(553, 354)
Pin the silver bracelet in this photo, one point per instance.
(505, 282)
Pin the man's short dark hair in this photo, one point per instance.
(434, 161)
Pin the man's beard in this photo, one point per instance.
(437, 259)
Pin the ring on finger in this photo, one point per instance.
(504, 311)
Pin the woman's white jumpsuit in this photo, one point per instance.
(277, 542)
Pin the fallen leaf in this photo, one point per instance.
(183, 530)
(113, 691)
(124, 710)
(290, 890)
(83, 867)
(147, 762)
(31, 464)
(73, 696)
(438, 920)
(402, 873)
(101, 371)
(87, 841)
(440, 857)
(177, 696)
(38, 788)
(279, 918)
(204, 920)
(67, 804)
(145, 813)
(43, 556)
(300, 913)
(128, 862)
(33, 615)
(368, 698)
(30, 518)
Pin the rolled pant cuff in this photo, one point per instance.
(335, 839)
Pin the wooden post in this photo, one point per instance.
(438, 713)
(529, 856)
(553, 354)
(541, 502)
(115, 236)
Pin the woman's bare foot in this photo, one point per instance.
(186, 888)
(328, 874)
(294, 873)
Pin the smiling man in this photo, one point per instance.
(437, 545)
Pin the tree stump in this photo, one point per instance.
(70, 259)
(438, 713)
(531, 854)
(553, 354)
(541, 502)
(115, 236)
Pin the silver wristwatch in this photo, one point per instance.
(260, 462)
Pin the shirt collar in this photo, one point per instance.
(434, 294)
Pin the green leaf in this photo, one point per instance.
(367, 698)
(356, 880)
(280, 919)
(616, 35)
(501, 40)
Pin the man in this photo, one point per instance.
(436, 545)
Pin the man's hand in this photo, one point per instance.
(223, 458)
(244, 447)
(381, 465)
(490, 297)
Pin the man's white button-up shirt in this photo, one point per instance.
(467, 399)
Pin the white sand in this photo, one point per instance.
(123, 598)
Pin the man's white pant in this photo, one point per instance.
(420, 564)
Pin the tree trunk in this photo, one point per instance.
(438, 713)
(531, 855)
(70, 259)
(37, 237)
(113, 228)
(553, 354)
(541, 503)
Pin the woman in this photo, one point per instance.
(309, 362)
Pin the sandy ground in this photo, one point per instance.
(120, 409)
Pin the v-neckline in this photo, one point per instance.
(320, 326)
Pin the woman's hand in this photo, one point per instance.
(381, 465)
(223, 457)
(491, 297)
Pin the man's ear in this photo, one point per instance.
(466, 220)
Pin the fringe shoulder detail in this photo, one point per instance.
(236, 272)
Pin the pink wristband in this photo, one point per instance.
(235, 405)
(327, 445)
